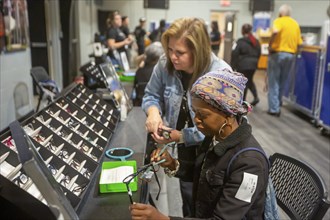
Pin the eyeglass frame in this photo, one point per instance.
(65, 180)
(127, 180)
(50, 146)
(19, 181)
(61, 154)
(79, 188)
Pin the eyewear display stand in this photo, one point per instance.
(105, 76)
(35, 168)
(69, 136)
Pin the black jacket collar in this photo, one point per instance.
(240, 134)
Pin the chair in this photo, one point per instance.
(300, 190)
(46, 88)
(22, 100)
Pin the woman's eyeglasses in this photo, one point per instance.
(52, 169)
(65, 180)
(49, 111)
(39, 138)
(79, 189)
(50, 146)
(21, 180)
(64, 154)
(87, 173)
(9, 142)
(72, 124)
(75, 164)
(93, 156)
(84, 148)
(29, 129)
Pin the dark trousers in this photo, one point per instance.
(250, 84)
(186, 189)
(187, 154)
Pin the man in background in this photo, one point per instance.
(140, 33)
(124, 26)
(283, 46)
(156, 35)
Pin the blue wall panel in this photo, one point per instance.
(305, 79)
(325, 99)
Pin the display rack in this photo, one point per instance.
(105, 76)
(71, 135)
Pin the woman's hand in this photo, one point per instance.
(169, 161)
(146, 212)
(164, 135)
(154, 121)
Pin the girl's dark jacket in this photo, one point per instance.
(245, 56)
(214, 193)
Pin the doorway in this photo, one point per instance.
(38, 34)
(53, 38)
(227, 26)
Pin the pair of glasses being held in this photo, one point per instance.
(164, 133)
(144, 172)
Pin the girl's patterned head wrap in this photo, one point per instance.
(223, 89)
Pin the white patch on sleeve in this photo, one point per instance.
(247, 187)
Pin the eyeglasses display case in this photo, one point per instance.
(71, 135)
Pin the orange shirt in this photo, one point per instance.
(288, 35)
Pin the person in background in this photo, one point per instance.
(166, 101)
(116, 39)
(283, 46)
(240, 193)
(156, 35)
(215, 36)
(140, 34)
(244, 59)
(124, 26)
(143, 74)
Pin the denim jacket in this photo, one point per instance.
(165, 91)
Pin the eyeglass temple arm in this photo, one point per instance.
(36, 169)
(127, 182)
(129, 192)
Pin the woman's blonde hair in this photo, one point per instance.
(194, 33)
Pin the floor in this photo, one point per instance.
(292, 134)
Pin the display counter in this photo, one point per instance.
(71, 136)
(130, 133)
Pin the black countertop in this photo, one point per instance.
(129, 133)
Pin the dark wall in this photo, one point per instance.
(65, 7)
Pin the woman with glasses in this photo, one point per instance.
(166, 102)
(236, 193)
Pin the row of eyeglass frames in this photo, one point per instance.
(17, 175)
(91, 138)
(60, 150)
(93, 106)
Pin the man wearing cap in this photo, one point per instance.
(140, 33)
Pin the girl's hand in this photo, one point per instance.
(145, 212)
(169, 161)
